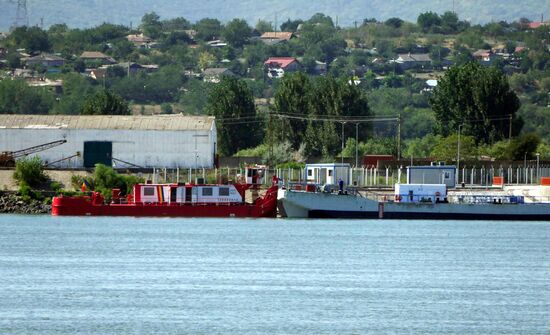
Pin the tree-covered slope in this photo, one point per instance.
(85, 13)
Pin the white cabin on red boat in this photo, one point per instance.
(188, 194)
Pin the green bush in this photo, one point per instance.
(77, 181)
(105, 179)
(56, 186)
(29, 171)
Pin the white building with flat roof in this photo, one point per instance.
(122, 141)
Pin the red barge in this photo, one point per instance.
(173, 200)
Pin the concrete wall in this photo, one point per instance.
(64, 177)
(146, 148)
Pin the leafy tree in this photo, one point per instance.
(161, 86)
(421, 147)
(195, 97)
(263, 26)
(292, 99)
(291, 25)
(321, 19)
(473, 39)
(175, 38)
(32, 39)
(237, 32)
(151, 25)
(76, 89)
(208, 29)
(449, 22)
(478, 98)
(522, 147)
(446, 148)
(13, 60)
(373, 146)
(16, 97)
(338, 99)
(175, 24)
(232, 103)
(394, 22)
(255, 53)
(428, 20)
(206, 59)
(105, 102)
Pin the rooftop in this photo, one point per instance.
(414, 57)
(280, 61)
(277, 35)
(94, 54)
(122, 122)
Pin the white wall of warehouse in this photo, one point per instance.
(146, 148)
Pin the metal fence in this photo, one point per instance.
(360, 177)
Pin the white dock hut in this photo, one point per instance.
(328, 173)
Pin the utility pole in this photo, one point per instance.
(510, 130)
(458, 155)
(399, 137)
(342, 153)
(356, 144)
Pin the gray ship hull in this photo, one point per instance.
(296, 204)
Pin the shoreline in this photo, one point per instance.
(11, 203)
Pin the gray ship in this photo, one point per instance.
(411, 201)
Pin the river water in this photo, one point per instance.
(232, 276)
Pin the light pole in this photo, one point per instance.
(342, 153)
(538, 160)
(458, 155)
(356, 144)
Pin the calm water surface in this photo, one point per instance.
(231, 276)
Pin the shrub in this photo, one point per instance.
(29, 171)
(56, 186)
(105, 179)
(76, 182)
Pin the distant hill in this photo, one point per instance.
(86, 13)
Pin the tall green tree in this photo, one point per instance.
(232, 103)
(16, 97)
(208, 29)
(334, 98)
(237, 32)
(151, 25)
(76, 89)
(477, 98)
(105, 102)
(32, 39)
(292, 101)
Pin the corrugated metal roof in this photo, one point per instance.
(123, 122)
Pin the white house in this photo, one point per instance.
(162, 141)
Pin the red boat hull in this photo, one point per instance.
(84, 205)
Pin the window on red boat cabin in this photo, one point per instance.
(224, 191)
(330, 173)
(309, 172)
(148, 191)
(207, 191)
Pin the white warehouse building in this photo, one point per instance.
(122, 141)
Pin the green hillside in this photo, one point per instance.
(80, 13)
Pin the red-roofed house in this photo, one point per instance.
(276, 67)
(483, 55)
(535, 25)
